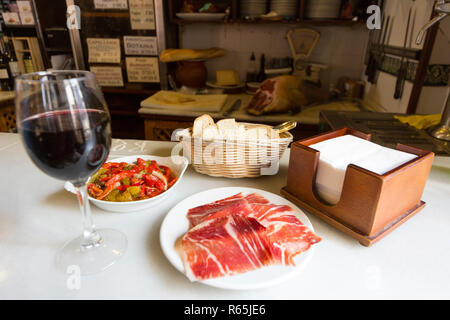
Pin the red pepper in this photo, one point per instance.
(172, 182)
(154, 193)
(118, 177)
(142, 192)
(153, 181)
(104, 178)
(94, 190)
(136, 183)
(109, 165)
(151, 167)
(122, 187)
(166, 172)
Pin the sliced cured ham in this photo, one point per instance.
(287, 235)
(224, 246)
(242, 233)
(236, 204)
(232, 205)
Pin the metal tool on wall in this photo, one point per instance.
(375, 37)
(385, 44)
(400, 83)
(377, 60)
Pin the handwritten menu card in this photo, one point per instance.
(108, 76)
(140, 46)
(111, 4)
(104, 50)
(142, 15)
(142, 69)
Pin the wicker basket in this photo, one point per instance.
(234, 158)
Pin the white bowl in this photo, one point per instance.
(177, 165)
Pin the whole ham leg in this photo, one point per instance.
(279, 94)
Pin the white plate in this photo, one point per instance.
(201, 16)
(175, 224)
(177, 165)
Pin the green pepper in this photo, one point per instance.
(125, 196)
(126, 181)
(113, 195)
(134, 191)
(98, 174)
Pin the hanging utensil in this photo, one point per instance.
(399, 85)
(373, 66)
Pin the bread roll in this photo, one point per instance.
(172, 55)
(200, 124)
(228, 129)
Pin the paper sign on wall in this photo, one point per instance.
(110, 4)
(108, 76)
(142, 15)
(140, 46)
(104, 50)
(142, 69)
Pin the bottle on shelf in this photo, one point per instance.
(28, 62)
(13, 63)
(262, 70)
(5, 78)
(252, 71)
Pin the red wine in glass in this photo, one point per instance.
(65, 127)
(64, 148)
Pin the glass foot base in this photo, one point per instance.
(92, 259)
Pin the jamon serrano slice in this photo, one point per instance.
(223, 246)
(232, 205)
(239, 234)
(287, 235)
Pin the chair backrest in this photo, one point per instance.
(8, 119)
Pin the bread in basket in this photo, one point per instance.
(231, 149)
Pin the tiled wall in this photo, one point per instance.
(342, 48)
(432, 97)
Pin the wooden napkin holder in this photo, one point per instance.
(371, 205)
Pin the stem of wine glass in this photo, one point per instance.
(90, 235)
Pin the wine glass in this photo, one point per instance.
(65, 127)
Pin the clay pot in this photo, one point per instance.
(191, 73)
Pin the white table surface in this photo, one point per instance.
(37, 216)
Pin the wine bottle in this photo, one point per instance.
(5, 84)
(13, 63)
(262, 73)
(252, 71)
(28, 62)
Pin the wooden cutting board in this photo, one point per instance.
(187, 102)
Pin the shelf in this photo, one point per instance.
(129, 90)
(20, 26)
(125, 15)
(333, 22)
(57, 50)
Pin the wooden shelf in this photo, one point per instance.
(175, 6)
(20, 26)
(124, 15)
(57, 50)
(128, 90)
(334, 22)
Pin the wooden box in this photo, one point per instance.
(371, 205)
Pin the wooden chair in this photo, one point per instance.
(8, 119)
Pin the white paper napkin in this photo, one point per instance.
(337, 153)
